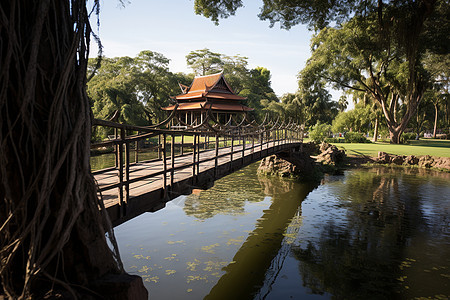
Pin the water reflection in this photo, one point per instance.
(375, 233)
(246, 275)
(228, 196)
(378, 234)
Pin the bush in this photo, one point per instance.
(320, 132)
(355, 137)
(409, 136)
(332, 140)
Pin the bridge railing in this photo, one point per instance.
(193, 140)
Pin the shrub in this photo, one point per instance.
(332, 140)
(409, 136)
(320, 132)
(355, 137)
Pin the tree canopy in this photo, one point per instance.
(374, 46)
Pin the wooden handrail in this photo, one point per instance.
(268, 135)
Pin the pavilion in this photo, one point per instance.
(207, 93)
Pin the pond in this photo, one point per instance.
(369, 233)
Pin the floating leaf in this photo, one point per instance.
(210, 248)
(175, 242)
(170, 272)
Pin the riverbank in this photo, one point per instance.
(315, 160)
(441, 164)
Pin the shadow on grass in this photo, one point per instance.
(431, 143)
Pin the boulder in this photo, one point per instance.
(299, 165)
(441, 163)
(331, 155)
(324, 147)
(398, 159)
(383, 158)
(426, 161)
(411, 160)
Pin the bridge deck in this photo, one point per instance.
(108, 180)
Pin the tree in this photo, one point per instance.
(294, 107)
(52, 236)
(423, 118)
(320, 132)
(258, 91)
(113, 91)
(382, 42)
(357, 119)
(439, 68)
(236, 72)
(204, 62)
(317, 102)
(133, 90)
(342, 103)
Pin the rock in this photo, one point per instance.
(298, 165)
(331, 155)
(441, 163)
(324, 147)
(383, 158)
(397, 159)
(426, 161)
(411, 160)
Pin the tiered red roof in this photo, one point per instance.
(210, 91)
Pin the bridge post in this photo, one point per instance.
(198, 156)
(253, 146)
(232, 150)
(216, 156)
(172, 160)
(116, 148)
(136, 149)
(261, 143)
(120, 163)
(127, 171)
(182, 143)
(194, 153)
(243, 148)
(159, 146)
(164, 156)
(278, 139)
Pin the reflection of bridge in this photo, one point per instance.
(188, 158)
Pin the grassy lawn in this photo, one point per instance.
(431, 147)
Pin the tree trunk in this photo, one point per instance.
(436, 111)
(51, 229)
(375, 131)
(395, 134)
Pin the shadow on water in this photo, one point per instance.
(246, 275)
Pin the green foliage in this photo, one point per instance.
(320, 132)
(409, 136)
(375, 47)
(355, 137)
(358, 119)
(204, 62)
(317, 103)
(131, 90)
(332, 140)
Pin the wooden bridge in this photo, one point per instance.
(186, 158)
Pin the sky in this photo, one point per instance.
(171, 28)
